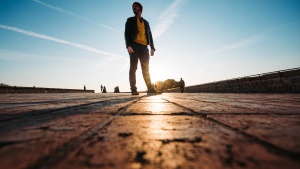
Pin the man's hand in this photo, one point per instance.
(130, 50)
(152, 52)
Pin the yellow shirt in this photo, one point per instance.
(141, 35)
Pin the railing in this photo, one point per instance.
(17, 89)
(278, 81)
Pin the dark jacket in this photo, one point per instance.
(181, 82)
(131, 30)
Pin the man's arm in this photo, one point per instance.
(151, 44)
(128, 28)
(150, 39)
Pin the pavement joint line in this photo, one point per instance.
(8, 143)
(223, 103)
(31, 113)
(258, 114)
(148, 114)
(238, 106)
(269, 146)
(59, 153)
(31, 104)
(245, 102)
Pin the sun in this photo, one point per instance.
(158, 73)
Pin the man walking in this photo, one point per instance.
(181, 84)
(137, 37)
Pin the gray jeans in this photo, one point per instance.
(141, 52)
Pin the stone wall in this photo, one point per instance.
(272, 82)
(12, 89)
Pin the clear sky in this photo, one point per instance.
(72, 43)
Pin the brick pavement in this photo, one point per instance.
(189, 130)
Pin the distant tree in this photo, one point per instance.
(5, 85)
(169, 83)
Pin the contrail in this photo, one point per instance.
(242, 43)
(248, 41)
(125, 66)
(167, 18)
(73, 14)
(77, 45)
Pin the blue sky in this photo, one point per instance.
(69, 44)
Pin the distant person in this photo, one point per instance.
(181, 84)
(101, 88)
(117, 89)
(137, 37)
(84, 88)
(104, 90)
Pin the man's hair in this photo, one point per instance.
(138, 4)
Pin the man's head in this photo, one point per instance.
(137, 7)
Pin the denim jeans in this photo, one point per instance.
(141, 52)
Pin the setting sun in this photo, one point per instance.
(159, 73)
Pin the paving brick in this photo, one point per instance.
(159, 141)
(31, 137)
(178, 130)
(238, 103)
(280, 130)
(154, 108)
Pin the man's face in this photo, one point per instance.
(136, 9)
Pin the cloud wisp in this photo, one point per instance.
(14, 55)
(167, 18)
(75, 15)
(240, 44)
(249, 41)
(77, 45)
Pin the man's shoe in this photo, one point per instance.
(135, 93)
(153, 91)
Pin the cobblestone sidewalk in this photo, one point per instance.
(171, 130)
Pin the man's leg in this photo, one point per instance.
(132, 69)
(144, 59)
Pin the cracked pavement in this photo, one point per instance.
(171, 130)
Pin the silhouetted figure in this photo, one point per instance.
(155, 86)
(138, 36)
(101, 88)
(117, 89)
(84, 88)
(104, 90)
(181, 84)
